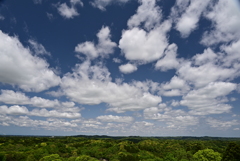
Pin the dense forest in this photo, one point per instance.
(95, 148)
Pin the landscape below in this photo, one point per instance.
(106, 148)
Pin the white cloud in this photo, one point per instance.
(201, 76)
(209, 99)
(38, 48)
(104, 47)
(148, 13)
(225, 20)
(19, 67)
(22, 110)
(173, 118)
(169, 61)
(189, 20)
(127, 68)
(111, 118)
(69, 12)
(117, 60)
(221, 124)
(92, 85)
(145, 46)
(138, 45)
(175, 87)
(54, 113)
(11, 97)
(14, 110)
(102, 4)
(232, 57)
(207, 56)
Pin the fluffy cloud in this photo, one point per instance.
(188, 20)
(148, 13)
(22, 110)
(201, 76)
(127, 68)
(145, 46)
(209, 99)
(225, 20)
(221, 124)
(111, 118)
(11, 97)
(138, 45)
(38, 49)
(173, 118)
(19, 67)
(14, 110)
(169, 61)
(105, 45)
(69, 12)
(102, 4)
(92, 85)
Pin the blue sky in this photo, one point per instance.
(120, 67)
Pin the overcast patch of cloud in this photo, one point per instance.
(219, 124)
(19, 67)
(104, 47)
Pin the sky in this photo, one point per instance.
(120, 67)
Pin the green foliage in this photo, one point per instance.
(232, 152)
(117, 149)
(207, 155)
(85, 158)
(52, 157)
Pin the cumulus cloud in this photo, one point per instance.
(104, 47)
(169, 61)
(146, 45)
(209, 99)
(69, 12)
(102, 4)
(139, 45)
(189, 19)
(111, 118)
(38, 48)
(19, 67)
(19, 98)
(14, 110)
(92, 85)
(127, 68)
(225, 20)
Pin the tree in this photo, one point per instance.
(207, 155)
(232, 152)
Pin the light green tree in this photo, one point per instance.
(207, 155)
